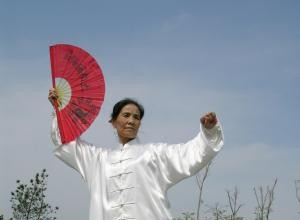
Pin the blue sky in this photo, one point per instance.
(180, 59)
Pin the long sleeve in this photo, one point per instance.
(176, 162)
(78, 154)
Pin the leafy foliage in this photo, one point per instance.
(28, 200)
(186, 216)
(219, 213)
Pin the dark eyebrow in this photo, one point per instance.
(125, 113)
(134, 114)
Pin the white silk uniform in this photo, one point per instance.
(131, 182)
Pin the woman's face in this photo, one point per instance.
(127, 123)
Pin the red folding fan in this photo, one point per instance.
(80, 86)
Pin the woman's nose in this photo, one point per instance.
(131, 120)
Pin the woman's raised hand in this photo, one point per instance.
(209, 120)
(53, 97)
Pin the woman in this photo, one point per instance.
(131, 182)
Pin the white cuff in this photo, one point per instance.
(213, 136)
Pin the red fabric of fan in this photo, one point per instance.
(80, 86)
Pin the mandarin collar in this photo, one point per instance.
(130, 143)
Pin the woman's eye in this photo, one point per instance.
(137, 117)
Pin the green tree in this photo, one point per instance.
(219, 213)
(186, 216)
(28, 200)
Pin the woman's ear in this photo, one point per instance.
(113, 123)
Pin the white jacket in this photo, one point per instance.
(131, 182)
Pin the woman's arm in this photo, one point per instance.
(179, 161)
(78, 154)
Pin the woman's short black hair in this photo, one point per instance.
(120, 104)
